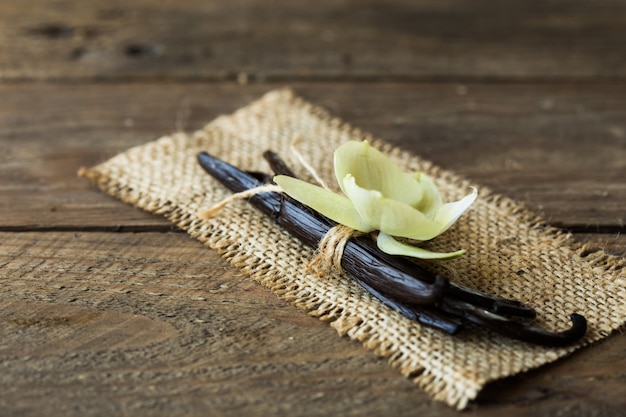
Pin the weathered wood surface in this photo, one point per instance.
(106, 310)
(322, 39)
(561, 149)
(155, 323)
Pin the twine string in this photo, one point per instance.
(329, 252)
(210, 212)
(306, 164)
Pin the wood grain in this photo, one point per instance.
(106, 310)
(44, 329)
(189, 335)
(320, 39)
(560, 149)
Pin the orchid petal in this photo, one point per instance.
(390, 216)
(431, 199)
(375, 171)
(334, 206)
(391, 246)
(450, 212)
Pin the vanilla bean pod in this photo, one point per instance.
(474, 306)
(390, 280)
(515, 329)
(278, 165)
(422, 313)
(491, 303)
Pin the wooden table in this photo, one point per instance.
(106, 310)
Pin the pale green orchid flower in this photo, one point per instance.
(379, 195)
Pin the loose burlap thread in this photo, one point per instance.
(510, 252)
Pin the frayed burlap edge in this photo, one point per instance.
(162, 177)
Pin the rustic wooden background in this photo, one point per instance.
(106, 310)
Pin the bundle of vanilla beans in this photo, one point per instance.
(400, 284)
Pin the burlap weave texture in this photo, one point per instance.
(510, 252)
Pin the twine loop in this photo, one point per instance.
(330, 250)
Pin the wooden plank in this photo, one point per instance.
(559, 148)
(158, 324)
(49, 132)
(313, 39)
(97, 323)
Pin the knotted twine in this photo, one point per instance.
(510, 252)
(330, 250)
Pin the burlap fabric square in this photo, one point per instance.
(510, 252)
